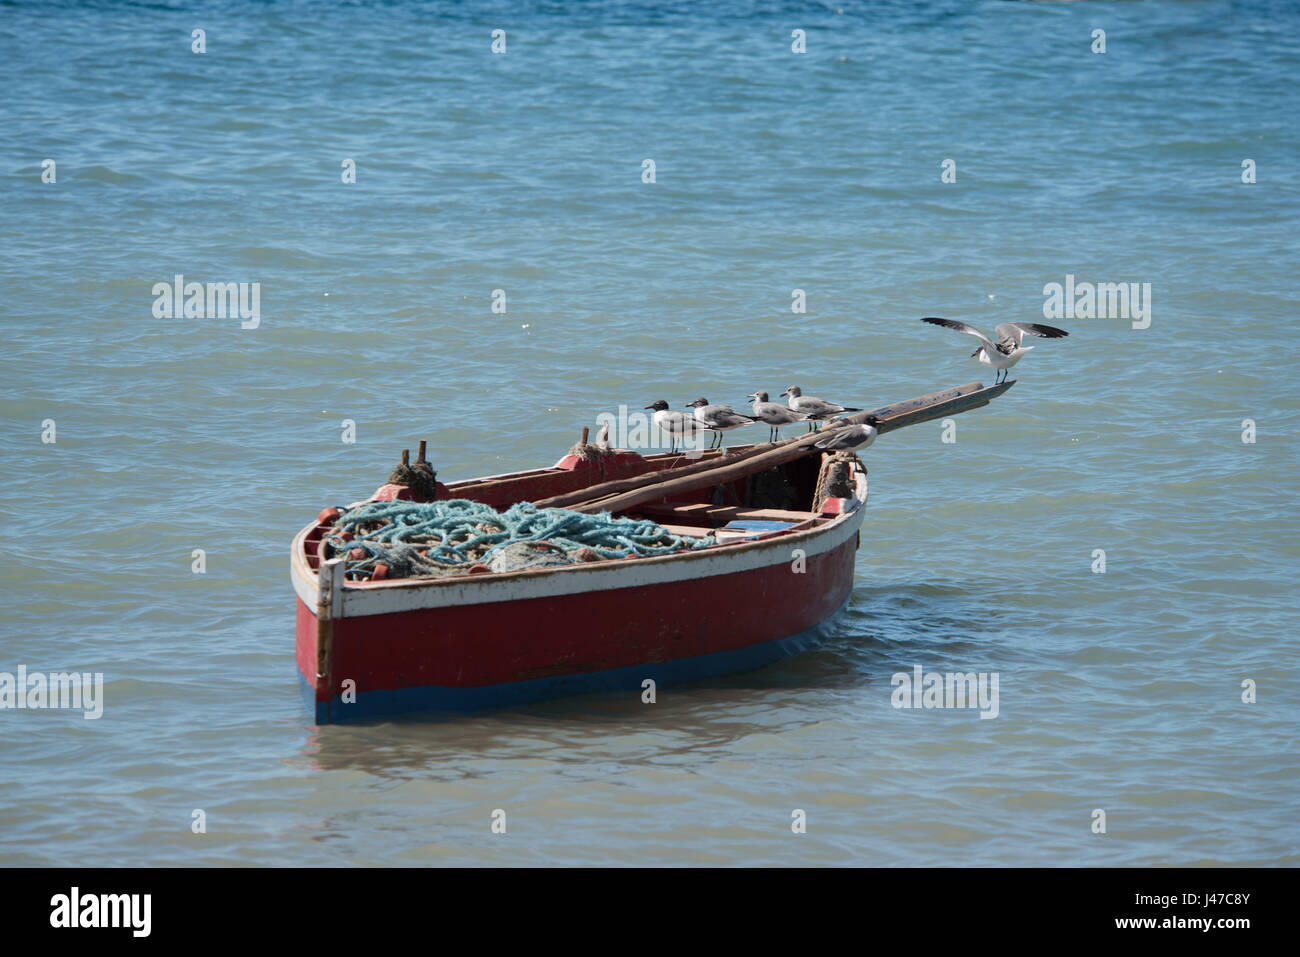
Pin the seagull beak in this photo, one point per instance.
(649, 406)
(785, 393)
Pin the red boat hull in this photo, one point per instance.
(493, 640)
(498, 653)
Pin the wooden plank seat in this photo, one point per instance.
(688, 531)
(715, 516)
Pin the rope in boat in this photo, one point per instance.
(835, 478)
(430, 539)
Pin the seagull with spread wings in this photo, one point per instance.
(1007, 350)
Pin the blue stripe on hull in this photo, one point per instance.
(440, 698)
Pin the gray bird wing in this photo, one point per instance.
(682, 422)
(815, 407)
(730, 418)
(852, 437)
(775, 414)
(1014, 332)
(960, 327)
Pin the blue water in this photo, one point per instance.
(774, 171)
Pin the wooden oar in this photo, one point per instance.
(622, 494)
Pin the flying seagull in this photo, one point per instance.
(774, 414)
(1006, 352)
(719, 418)
(850, 438)
(812, 407)
(678, 425)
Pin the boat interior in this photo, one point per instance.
(764, 503)
(770, 501)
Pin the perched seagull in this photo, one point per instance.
(678, 425)
(850, 438)
(813, 408)
(1006, 352)
(719, 418)
(774, 414)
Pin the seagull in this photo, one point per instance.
(678, 425)
(719, 418)
(1006, 352)
(850, 438)
(813, 408)
(774, 414)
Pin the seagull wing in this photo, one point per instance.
(682, 423)
(851, 437)
(783, 414)
(1015, 331)
(814, 407)
(960, 327)
(836, 440)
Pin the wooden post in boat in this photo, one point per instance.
(329, 605)
(420, 458)
(625, 493)
(584, 435)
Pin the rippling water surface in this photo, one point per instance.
(774, 171)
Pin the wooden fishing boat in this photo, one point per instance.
(786, 519)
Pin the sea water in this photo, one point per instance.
(487, 240)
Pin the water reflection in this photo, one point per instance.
(697, 722)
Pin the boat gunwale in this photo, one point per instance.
(309, 578)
